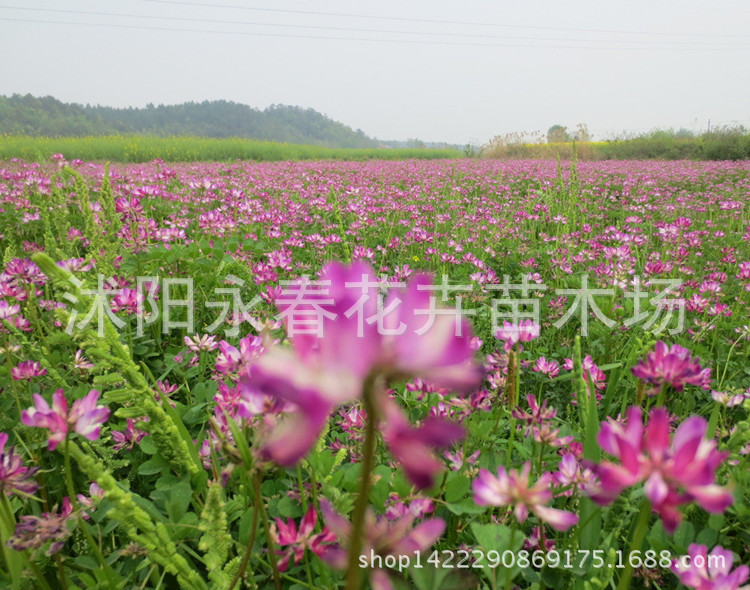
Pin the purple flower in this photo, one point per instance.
(673, 366)
(85, 417)
(27, 370)
(511, 334)
(513, 489)
(361, 339)
(675, 472)
(703, 571)
(32, 532)
(286, 534)
(127, 438)
(14, 476)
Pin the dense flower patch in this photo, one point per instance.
(448, 374)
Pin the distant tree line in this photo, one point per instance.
(46, 116)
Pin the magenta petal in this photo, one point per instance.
(293, 438)
(656, 488)
(560, 520)
(713, 498)
(421, 537)
(657, 433)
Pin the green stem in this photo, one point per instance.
(639, 534)
(271, 547)
(726, 365)
(68, 471)
(253, 530)
(662, 395)
(353, 572)
(511, 546)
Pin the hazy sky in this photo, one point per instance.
(458, 71)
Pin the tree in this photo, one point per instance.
(558, 134)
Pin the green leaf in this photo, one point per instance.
(154, 465)
(456, 487)
(466, 506)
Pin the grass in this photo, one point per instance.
(143, 148)
(722, 144)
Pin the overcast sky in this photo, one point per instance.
(458, 71)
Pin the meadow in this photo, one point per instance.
(145, 148)
(454, 373)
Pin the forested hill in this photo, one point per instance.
(47, 116)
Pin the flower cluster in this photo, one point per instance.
(675, 472)
(671, 366)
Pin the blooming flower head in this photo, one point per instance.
(360, 339)
(127, 438)
(676, 472)
(84, 417)
(203, 342)
(14, 476)
(511, 334)
(27, 370)
(673, 366)
(286, 534)
(32, 532)
(703, 571)
(514, 489)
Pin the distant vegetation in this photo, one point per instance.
(140, 148)
(727, 143)
(47, 116)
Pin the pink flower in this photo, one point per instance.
(27, 370)
(413, 447)
(14, 476)
(364, 340)
(127, 438)
(672, 366)
(524, 331)
(287, 534)
(703, 571)
(675, 472)
(203, 342)
(85, 417)
(513, 489)
(32, 532)
(383, 537)
(549, 368)
(128, 300)
(229, 358)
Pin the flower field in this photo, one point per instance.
(443, 374)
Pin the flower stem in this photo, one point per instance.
(639, 534)
(253, 530)
(353, 578)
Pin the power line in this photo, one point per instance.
(437, 21)
(359, 30)
(360, 39)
